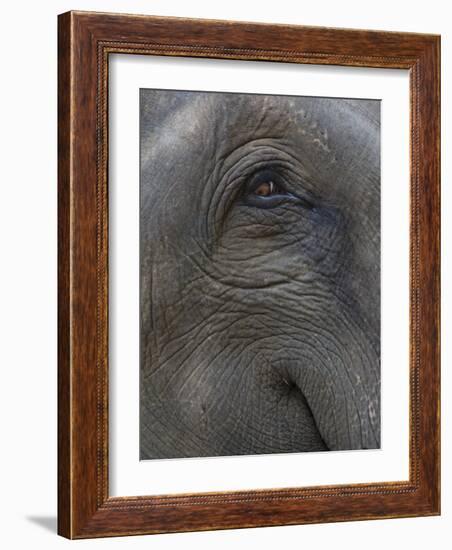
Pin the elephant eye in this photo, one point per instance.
(265, 190)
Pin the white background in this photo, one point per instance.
(28, 274)
(128, 476)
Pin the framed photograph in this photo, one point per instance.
(248, 275)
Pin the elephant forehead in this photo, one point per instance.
(200, 130)
(192, 142)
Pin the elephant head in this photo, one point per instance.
(260, 274)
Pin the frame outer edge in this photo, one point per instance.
(82, 511)
(433, 177)
(427, 236)
(438, 175)
(64, 277)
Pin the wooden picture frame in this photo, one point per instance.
(85, 42)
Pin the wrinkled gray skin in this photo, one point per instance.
(260, 326)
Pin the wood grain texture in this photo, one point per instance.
(64, 295)
(85, 42)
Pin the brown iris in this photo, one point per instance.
(265, 189)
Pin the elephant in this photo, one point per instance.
(259, 274)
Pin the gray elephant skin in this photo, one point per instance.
(259, 274)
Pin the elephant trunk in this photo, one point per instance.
(344, 399)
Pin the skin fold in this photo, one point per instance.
(259, 275)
